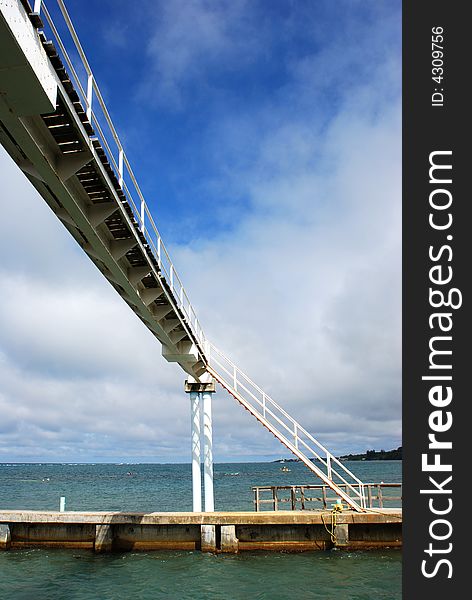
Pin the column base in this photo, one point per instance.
(208, 538)
(5, 537)
(103, 538)
(229, 541)
(341, 534)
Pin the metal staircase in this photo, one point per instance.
(286, 429)
(58, 140)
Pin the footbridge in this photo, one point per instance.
(55, 125)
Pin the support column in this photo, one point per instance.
(200, 402)
(208, 452)
(195, 404)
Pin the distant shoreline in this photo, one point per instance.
(370, 455)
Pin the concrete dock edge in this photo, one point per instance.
(229, 532)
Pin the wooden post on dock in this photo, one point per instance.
(380, 497)
(256, 499)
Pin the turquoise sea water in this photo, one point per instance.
(80, 575)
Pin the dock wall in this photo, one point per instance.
(210, 532)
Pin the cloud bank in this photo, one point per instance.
(293, 260)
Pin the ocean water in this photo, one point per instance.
(36, 574)
(155, 487)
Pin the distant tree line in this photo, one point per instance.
(369, 455)
(376, 455)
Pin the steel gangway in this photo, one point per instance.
(286, 429)
(56, 126)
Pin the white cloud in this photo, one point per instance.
(191, 37)
(304, 293)
(302, 289)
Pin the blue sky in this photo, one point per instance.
(266, 138)
(196, 87)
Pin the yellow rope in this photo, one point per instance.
(333, 514)
(331, 533)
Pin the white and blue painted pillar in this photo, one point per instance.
(208, 452)
(201, 443)
(195, 407)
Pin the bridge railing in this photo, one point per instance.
(99, 117)
(290, 431)
(316, 497)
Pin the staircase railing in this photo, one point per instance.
(289, 431)
(316, 457)
(104, 130)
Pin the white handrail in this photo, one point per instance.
(122, 168)
(287, 427)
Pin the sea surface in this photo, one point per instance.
(36, 574)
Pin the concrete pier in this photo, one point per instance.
(209, 532)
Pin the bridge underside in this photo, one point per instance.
(50, 135)
(46, 131)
